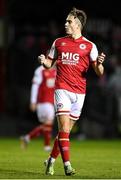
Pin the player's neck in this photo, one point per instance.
(76, 36)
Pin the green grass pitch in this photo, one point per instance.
(92, 160)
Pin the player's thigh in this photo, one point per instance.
(62, 102)
(77, 106)
(72, 122)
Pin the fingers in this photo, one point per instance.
(101, 58)
(41, 56)
(102, 54)
(41, 59)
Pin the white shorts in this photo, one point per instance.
(68, 103)
(45, 111)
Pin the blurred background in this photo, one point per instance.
(27, 29)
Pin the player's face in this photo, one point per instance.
(71, 25)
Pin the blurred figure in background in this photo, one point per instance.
(114, 85)
(41, 101)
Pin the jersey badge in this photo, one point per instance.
(82, 46)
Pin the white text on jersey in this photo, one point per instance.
(70, 58)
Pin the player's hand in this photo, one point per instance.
(41, 59)
(33, 107)
(101, 58)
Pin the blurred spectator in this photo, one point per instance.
(100, 107)
(115, 87)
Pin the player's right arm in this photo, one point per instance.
(49, 61)
(46, 62)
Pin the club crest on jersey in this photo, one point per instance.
(59, 106)
(82, 46)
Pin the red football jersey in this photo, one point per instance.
(72, 58)
(43, 85)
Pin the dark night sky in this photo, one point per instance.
(40, 10)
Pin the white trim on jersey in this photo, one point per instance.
(34, 93)
(36, 81)
(93, 53)
(53, 52)
(37, 78)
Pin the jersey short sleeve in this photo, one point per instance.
(53, 51)
(36, 81)
(37, 78)
(93, 53)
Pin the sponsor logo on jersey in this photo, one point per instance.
(63, 44)
(82, 46)
(70, 58)
(50, 82)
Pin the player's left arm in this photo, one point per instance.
(98, 65)
(36, 82)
